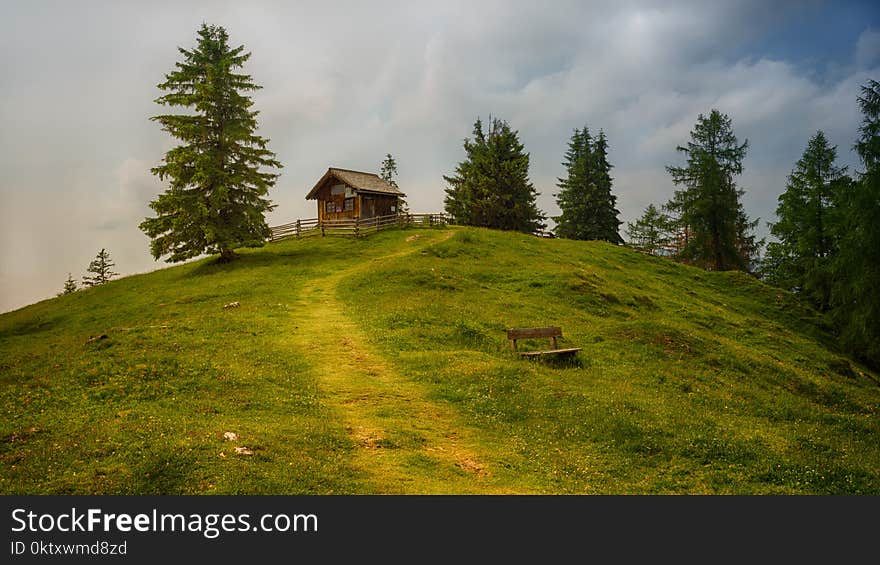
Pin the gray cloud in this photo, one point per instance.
(344, 83)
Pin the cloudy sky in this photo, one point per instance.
(346, 82)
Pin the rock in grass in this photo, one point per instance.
(232, 305)
(243, 451)
(231, 436)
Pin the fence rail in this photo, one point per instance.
(356, 227)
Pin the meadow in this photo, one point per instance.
(381, 365)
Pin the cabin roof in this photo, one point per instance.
(357, 180)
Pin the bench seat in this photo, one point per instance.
(566, 351)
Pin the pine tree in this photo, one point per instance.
(216, 198)
(577, 189)
(651, 233)
(491, 187)
(388, 172)
(746, 243)
(101, 267)
(856, 268)
(607, 222)
(806, 229)
(679, 231)
(778, 266)
(585, 199)
(69, 286)
(709, 205)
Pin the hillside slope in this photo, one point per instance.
(381, 366)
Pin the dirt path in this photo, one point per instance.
(406, 443)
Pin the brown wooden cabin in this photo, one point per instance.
(345, 195)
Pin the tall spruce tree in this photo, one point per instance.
(607, 222)
(491, 187)
(806, 226)
(708, 206)
(652, 232)
(856, 269)
(388, 172)
(101, 268)
(216, 199)
(576, 190)
(585, 200)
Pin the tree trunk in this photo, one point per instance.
(227, 255)
(719, 257)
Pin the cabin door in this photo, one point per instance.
(369, 204)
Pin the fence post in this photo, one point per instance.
(321, 225)
(297, 229)
(357, 227)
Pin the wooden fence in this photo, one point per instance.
(356, 227)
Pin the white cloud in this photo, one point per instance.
(868, 49)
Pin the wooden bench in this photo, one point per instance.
(552, 333)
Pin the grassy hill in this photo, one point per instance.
(381, 366)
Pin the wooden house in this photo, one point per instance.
(343, 194)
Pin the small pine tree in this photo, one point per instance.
(652, 233)
(388, 172)
(679, 231)
(101, 268)
(69, 286)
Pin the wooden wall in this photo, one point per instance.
(362, 205)
(374, 205)
(337, 203)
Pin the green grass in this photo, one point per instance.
(382, 365)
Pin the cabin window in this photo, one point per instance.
(348, 204)
(330, 207)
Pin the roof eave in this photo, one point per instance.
(379, 192)
(312, 193)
